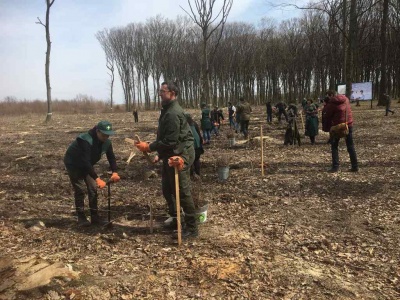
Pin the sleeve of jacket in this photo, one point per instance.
(328, 116)
(169, 139)
(86, 158)
(111, 158)
(196, 126)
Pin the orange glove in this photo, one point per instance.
(142, 146)
(100, 183)
(114, 177)
(176, 161)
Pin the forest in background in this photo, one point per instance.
(333, 42)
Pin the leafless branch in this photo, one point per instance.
(40, 22)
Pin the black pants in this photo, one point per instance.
(244, 125)
(350, 149)
(186, 200)
(280, 113)
(195, 168)
(388, 110)
(269, 117)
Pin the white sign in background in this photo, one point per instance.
(359, 91)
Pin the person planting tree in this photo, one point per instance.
(82, 154)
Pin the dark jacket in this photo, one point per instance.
(86, 151)
(205, 119)
(335, 112)
(244, 110)
(174, 136)
(280, 107)
(269, 108)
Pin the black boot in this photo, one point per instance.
(82, 220)
(97, 220)
(94, 214)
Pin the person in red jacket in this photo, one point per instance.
(336, 111)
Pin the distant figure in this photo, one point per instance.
(269, 112)
(304, 103)
(326, 126)
(198, 146)
(311, 111)
(232, 115)
(136, 115)
(292, 132)
(388, 102)
(281, 107)
(352, 97)
(205, 123)
(244, 109)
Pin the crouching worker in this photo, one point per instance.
(81, 156)
(175, 147)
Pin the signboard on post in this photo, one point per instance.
(359, 91)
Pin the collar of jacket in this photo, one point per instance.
(168, 104)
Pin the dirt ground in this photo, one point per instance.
(297, 232)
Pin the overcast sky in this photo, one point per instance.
(77, 59)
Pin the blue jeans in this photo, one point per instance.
(206, 135)
(214, 130)
(350, 149)
(232, 122)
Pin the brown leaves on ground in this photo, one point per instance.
(296, 233)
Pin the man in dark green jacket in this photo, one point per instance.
(175, 147)
(244, 110)
(81, 156)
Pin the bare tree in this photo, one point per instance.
(384, 52)
(104, 40)
(49, 3)
(205, 19)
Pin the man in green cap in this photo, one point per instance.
(175, 148)
(81, 156)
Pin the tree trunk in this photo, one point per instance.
(352, 46)
(384, 53)
(47, 65)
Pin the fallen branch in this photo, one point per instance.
(23, 157)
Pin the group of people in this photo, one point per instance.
(176, 146)
(336, 110)
(179, 144)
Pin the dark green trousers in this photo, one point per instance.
(82, 184)
(186, 200)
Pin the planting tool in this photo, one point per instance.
(178, 205)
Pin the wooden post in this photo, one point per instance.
(109, 200)
(262, 151)
(178, 206)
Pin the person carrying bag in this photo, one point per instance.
(338, 119)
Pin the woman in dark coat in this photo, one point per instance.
(311, 111)
(205, 123)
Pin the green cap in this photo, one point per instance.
(105, 127)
